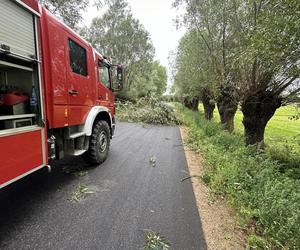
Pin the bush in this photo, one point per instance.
(266, 197)
(287, 154)
(147, 110)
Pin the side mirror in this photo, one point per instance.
(119, 79)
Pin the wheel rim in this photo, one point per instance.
(102, 142)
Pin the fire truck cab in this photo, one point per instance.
(56, 92)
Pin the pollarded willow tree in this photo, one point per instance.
(215, 23)
(121, 37)
(268, 61)
(193, 76)
(255, 49)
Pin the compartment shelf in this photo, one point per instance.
(4, 63)
(12, 117)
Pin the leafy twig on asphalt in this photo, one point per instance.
(81, 192)
(152, 161)
(80, 173)
(155, 241)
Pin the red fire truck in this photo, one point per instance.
(56, 92)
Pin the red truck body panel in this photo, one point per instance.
(25, 152)
(33, 4)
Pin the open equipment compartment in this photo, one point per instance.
(20, 104)
(22, 134)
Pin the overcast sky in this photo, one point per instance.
(157, 17)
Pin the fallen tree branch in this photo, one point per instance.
(189, 177)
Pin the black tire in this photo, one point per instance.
(99, 144)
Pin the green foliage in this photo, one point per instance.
(70, 11)
(170, 98)
(276, 41)
(155, 241)
(265, 197)
(153, 82)
(147, 110)
(158, 78)
(81, 192)
(288, 155)
(224, 139)
(121, 37)
(192, 74)
(256, 242)
(250, 47)
(205, 54)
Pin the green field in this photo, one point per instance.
(280, 128)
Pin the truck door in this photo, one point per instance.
(22, 130)
(80, 77)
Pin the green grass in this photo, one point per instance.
(264, 191)
(280, 127)
(282, 135)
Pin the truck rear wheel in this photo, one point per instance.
(99, 143)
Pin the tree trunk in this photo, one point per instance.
(191, 103)
(194, 104)
(208, 104)
(227, 107)
(258, 109)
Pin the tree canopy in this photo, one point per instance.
(252, 49)
(70, 11)
(121, 37)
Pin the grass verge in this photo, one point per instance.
(265, 193)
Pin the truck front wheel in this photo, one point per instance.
(99, 143)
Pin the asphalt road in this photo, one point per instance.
(131, 197)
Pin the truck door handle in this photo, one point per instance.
(73, 92)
